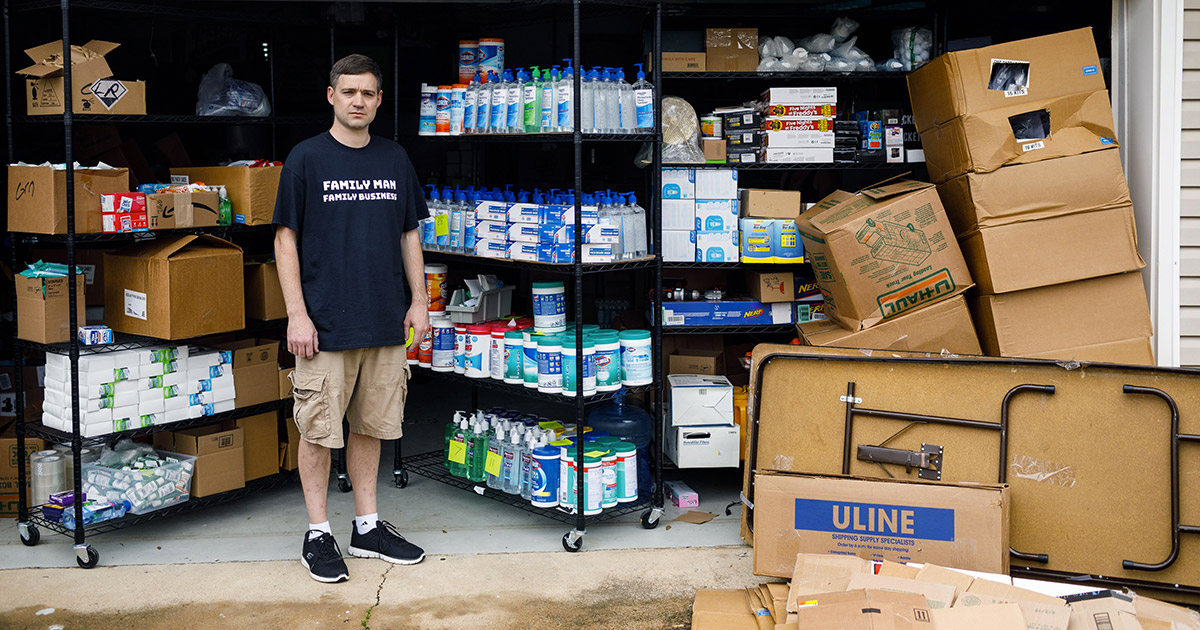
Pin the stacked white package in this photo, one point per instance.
(209, 388)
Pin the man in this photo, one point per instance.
(346, 242)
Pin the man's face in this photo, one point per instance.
(355, 100)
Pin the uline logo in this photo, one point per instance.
(875, 519)
(751, 314)
(923, 291)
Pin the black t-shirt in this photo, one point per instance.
(349, 208)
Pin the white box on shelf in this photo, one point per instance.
(719, 246)
(524, 233)
(147, 370)
(800, 96)
(679, 246)
(713, 215)
(523, 251)
(489, 248)
(679, 214)
(491, 231)
(599, 253)
(154, 405)
(716, 183)
(678, 183)
(798, 156)
(703, 446)
(698, 399)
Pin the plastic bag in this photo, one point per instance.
(681, 133)
(819, 43)
(813, 63)
(913, 46)
(843, 27)
(838, 64)
(784, 45)
(770, 64)
(891, 65)
(222, 95)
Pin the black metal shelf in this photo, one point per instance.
(526, 392)
(808, 77)
(252, 487)
(774, 329)
(729, 265)
(217, 230)
(822, 166)
(563, 268)
(430, 465)
(122, 341)
(64, 437)
(179, 119)
(541, 137)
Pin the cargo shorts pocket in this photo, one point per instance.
(312, 405)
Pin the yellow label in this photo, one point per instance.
(492, 465)
(458, 452)
(811, 602)
(595, 454)
(441, 225)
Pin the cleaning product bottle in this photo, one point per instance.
(608, 216)
(643, 96)
(450, 427)
(640, 228)
(483, 105)
(614, 101)
(510, 471)
(565, 101)
(500, 103)
(549, 112)
(531, 108)
(526, 491)
(468, 221)
(496, 448)
(516, 88)
(471, 105)
(480, 448)
(587, 101)
(458, 440)
(438, 212)
(628, 111)
(601, 89)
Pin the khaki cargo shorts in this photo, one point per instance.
(366, 385)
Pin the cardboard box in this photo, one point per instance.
(285, 383)
(993, 617)
(678, 183)
(799, 139)
(1040, 130)
(261, 445)
(698, 400)
(1052, 251)
(716, 183)
(219, 453)
(903, 521)
(716, 609)
(9, 455)
(289, 452)
(770, 204)
(175, 288)
(95, 92)
(703, 446)
(682, 62)
(679, 214)
(264, 296)
(1078, 321)
(799, 96)
(731, 49)
(168, 211)
(679, 245)
(882, 252)
(1040, 612)
(942, 327)
(37, 198)
(717, 246)
(744, 312)
(89, 261)
(704, 362)
(43, 308)
(1001, 76)
(757, 240)
(714, 150)
(255, 370)
(778, 286)
(865, 609)
(251, 190)
(1103, 610)
(815, 573)
(716, 215)
(797, 156)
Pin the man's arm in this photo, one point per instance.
(301, 334)
(414, 269)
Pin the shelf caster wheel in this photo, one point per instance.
(92, 557)
(650, 518)
(30, 535)
(572, 541)
(401, 478)
(344, 484)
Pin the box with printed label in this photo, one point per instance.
(810, 312)
(37, 198)
(95, 91)
(679, 214)
(793, 125)
(495, 211)
(523, 251)
(491, 231)
(489, 248)
(678, 183)
(756, 239)
(769, 287)
(524, 233)
(681, 62)
(220, 460)
(174, 288)
(714, 215)
(960, 525)
(251, 189)
(43, 308)
(123, 202)
(260, 445)
(9, 456)
(797, 156)
(716, 183)
(124, 222)
(942, 327)
(703, 446)
(801, 111)
(799, 139)
(598, 253)
(718, 246)
(882, 252)
(182, 210)
(800, 96)
(699, 361)
(997, 77)
(698, 400)
(679, 245)
(714, 150)
(524, 212)
(745, 312)
(255, 370)
(743, 139)
(785, 241)
(738, 119)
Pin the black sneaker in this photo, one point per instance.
(385, 543)
(323, 559)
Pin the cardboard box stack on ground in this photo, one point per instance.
(883, 257)
(1019, 138)
(703, 433)
(95, 92)
(175, 288)
(768, 226)
(251, 189)
(37, 197)
(220, 461)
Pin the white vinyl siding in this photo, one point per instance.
(1189, 220)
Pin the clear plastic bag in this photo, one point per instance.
(913, 46)
(784, 45)
(681, 133)
(819, 43)
(843, 28)
(770, 64)
(837, 64)
(222, 95)
(813, 63)
(891, 65)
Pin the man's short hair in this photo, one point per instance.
(356, 64)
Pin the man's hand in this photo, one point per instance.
(418, 320)
(302, 337)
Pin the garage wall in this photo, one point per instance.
(1189, 210)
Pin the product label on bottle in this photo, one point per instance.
(644, 104)
(636, 364)
(566, 117)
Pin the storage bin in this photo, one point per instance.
(145, 490)
(492, 304)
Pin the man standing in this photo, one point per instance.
(346, 242)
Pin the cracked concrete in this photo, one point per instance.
(635, 590)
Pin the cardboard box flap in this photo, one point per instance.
(991, 617)
(721, 609)
(883, 190)
(248, 352)
(939, 595)
(48, 62)
(165, 248)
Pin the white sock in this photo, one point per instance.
(316, 529)
(366, 523)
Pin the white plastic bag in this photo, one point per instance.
(770, 64)
(222, 95)
(819, 43)
(813, 63)
(784, 45)
(843, 27)
(913, 46)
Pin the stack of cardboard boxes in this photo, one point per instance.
(768, 226)
(700, 215)
(1019, 139)
(890, 271)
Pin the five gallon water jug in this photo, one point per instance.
(631, 423)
